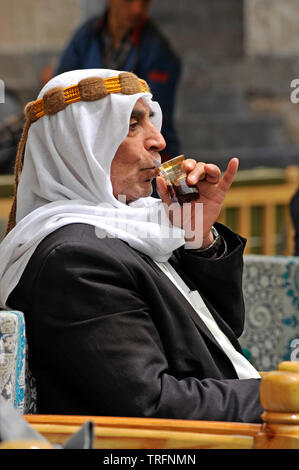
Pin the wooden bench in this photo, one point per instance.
(257, 207)
(280, 430)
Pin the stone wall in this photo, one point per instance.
(32, 34)
(33, 25)
(272, 45)
(272, 27)
(201, 28)
(234, 97)
(239, 58)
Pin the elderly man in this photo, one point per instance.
(125, 38)
(122, 319)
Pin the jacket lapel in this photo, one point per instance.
(200, 324)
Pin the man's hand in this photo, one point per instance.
(212, 190)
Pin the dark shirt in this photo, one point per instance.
(114, 57)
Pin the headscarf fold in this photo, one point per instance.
(66, 179)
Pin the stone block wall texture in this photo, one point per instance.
(239, 58)
(213, 29)
(32, 25)
(31, 33)
(272, 27)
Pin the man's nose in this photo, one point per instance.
(155, 140)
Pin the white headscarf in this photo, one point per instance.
(66, 179)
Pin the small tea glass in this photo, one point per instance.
(175, 177)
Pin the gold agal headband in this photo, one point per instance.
(88, 89)
(58, 98)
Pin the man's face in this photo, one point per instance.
(129, 13)
(133, 168)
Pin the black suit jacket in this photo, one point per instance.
(109, 333)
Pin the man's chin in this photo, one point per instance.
(139, 194)
(147, 190)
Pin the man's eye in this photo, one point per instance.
(133, 125)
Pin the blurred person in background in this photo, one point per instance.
(125, 38)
